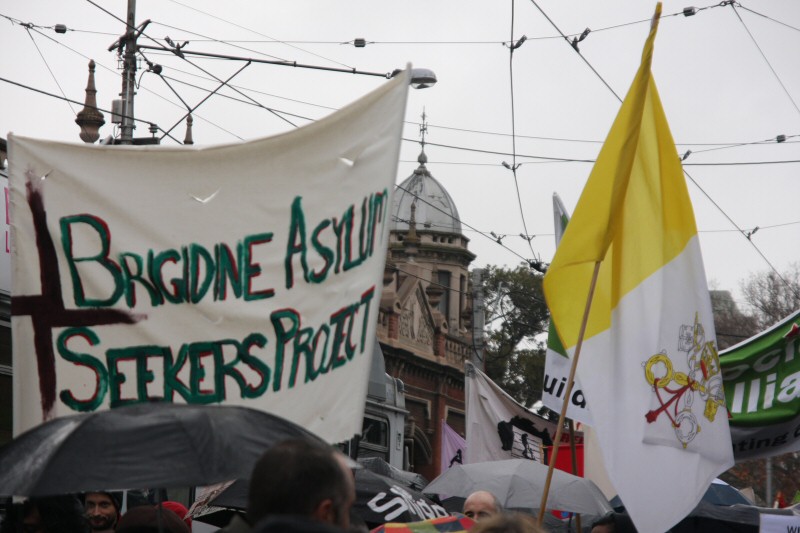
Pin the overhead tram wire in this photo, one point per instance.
(46, 64)
(219, 41)
(768, 18)
(233, 98)
(59, 97)
(696, 184)
(166, 52)
(256, 32)
(423, 200)
(115, 73)
(760, 51)
(511, 47)
(177, 52)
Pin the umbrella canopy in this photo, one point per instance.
(519, 483)
(138, 446)
(379, 499)
(380, 466)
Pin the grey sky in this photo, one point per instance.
(716, 86)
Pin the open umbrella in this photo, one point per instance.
(144, 445)
(379, 499)
(379, 465)
(519, 483)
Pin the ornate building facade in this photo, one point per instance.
(425, 318)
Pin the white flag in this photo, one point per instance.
(648, 363)
(500, 428)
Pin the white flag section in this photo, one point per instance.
(648, 365)
(500, 428)
(454, 448)
(557, 364)
(245, 274)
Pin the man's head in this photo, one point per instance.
(102, 510)
(305, 478)
(481, 504)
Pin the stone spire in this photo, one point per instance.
(90, 119)
(412, 239)
(188, 138)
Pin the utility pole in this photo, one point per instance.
(129, 77)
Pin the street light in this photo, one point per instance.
(421, 78)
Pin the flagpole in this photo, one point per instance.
(574, 462)
(568, 394)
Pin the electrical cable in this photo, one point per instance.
(55, 79)
(760, 51)
(461, 222)
(576, 50)
(769, 18)
(40, 91)
(143, 88)
(209, 95)
(220, 41)
(757, 249)
(514, 46)
(257, 33)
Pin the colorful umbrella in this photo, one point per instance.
(434, 525)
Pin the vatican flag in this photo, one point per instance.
(648, 362)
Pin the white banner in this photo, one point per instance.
(245, 274)
(500, 428)
(777, 523)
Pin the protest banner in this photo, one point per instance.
(245, 274)
(762, 391)
(454, 448)
(498, 427)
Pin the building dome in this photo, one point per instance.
(435, 209)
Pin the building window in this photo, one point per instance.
(374, 438)
(443, 279)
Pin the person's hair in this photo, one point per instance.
(508, 523)
(115, 497)
(292, 478)
(59, 514)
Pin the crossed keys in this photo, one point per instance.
(704, 377)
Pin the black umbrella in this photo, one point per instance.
(379, 499)
(378, 465)
(144, 445)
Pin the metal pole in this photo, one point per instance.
(129, 77)
(768, 489)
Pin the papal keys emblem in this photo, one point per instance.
(676, 391)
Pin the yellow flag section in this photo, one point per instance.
(649, 366)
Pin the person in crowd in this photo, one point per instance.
(614, 523)
(481, 504)
(102, 510)
(507, 523)
(300, 486)
(179, 509)
(54, 514)
(151, 519)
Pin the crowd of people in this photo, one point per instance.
(297, 486)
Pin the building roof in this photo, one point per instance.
(435, 209)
